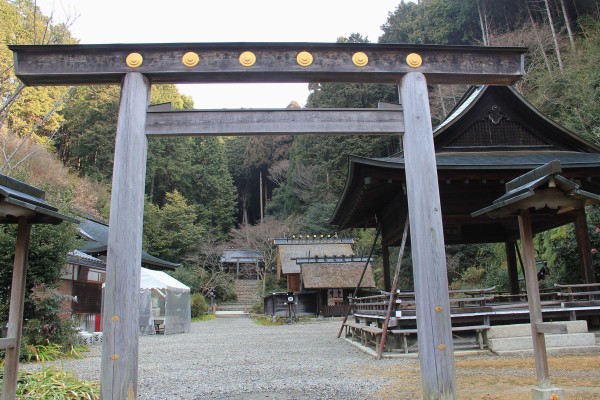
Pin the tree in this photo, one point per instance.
(210, 186)
(170, 231)
(260, 238)
(49, 245)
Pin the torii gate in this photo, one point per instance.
(136, 66)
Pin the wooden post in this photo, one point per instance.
(121, 294)
(388, 313)
(584, 247)
(427, 243)
(533, 297)
(511, 263)
(261, 197)
(15, 316)
(386, 269)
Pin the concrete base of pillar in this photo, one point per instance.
(548, 394)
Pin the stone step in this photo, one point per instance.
(520, 343)
(233, 307)
(524, 330)
(231, 314)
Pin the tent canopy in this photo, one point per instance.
(150, 279)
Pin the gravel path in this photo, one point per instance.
(234, 358)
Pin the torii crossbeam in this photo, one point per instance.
(136, 66)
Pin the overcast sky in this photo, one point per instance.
(159, 21)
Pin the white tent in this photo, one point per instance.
(164, 304)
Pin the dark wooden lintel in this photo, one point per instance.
(275, 122)
(275, 62)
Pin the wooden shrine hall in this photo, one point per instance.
(492, 136)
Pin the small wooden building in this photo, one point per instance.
(491, 137)
(290, 249)
(324, 266)
(334, 280)
(242, 263)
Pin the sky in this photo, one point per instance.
(159, 21)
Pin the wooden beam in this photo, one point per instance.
(533, 298)
(120, 316)
(436, 354)
(584, 247)
(275, 62)
(511, 264)
(15, 316)
(7, 343)
(387, 282)
(275, 122)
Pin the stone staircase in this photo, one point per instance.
(247, 295)
(516, 339)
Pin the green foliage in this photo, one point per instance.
(49, 245)
(258, 307)
(214, 194)
(52, 383)
(170, 232)
(23, 23)
(204, 317)
(572, 98)
(199, 305)
(201, 280)
(88, 136)
(266, 320)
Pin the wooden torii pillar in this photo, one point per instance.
(135, 65)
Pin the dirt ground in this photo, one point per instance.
(501, 378)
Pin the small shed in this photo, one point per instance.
(289, 249)
(334, 279)
(164, 304)
(242, 263)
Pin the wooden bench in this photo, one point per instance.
(479, 329)
(353, 329)
(578, 295)
(366, 333)
(372, 334)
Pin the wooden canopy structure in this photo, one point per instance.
(23, 205)
(135, 66)
(543, 190)
(491, 137)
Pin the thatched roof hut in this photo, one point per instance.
(288, 250)
(343, 275)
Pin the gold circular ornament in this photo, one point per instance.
(114, 357)
(414, 60)
(304, 58)
(115, 318)
(442, 346)
(360, 59)
(190, 59)
(247, 59)
(134, 60)
(439, 308)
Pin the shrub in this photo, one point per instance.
(198, 304)
(51, 383)
(258, 307)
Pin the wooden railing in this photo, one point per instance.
(334, 311)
